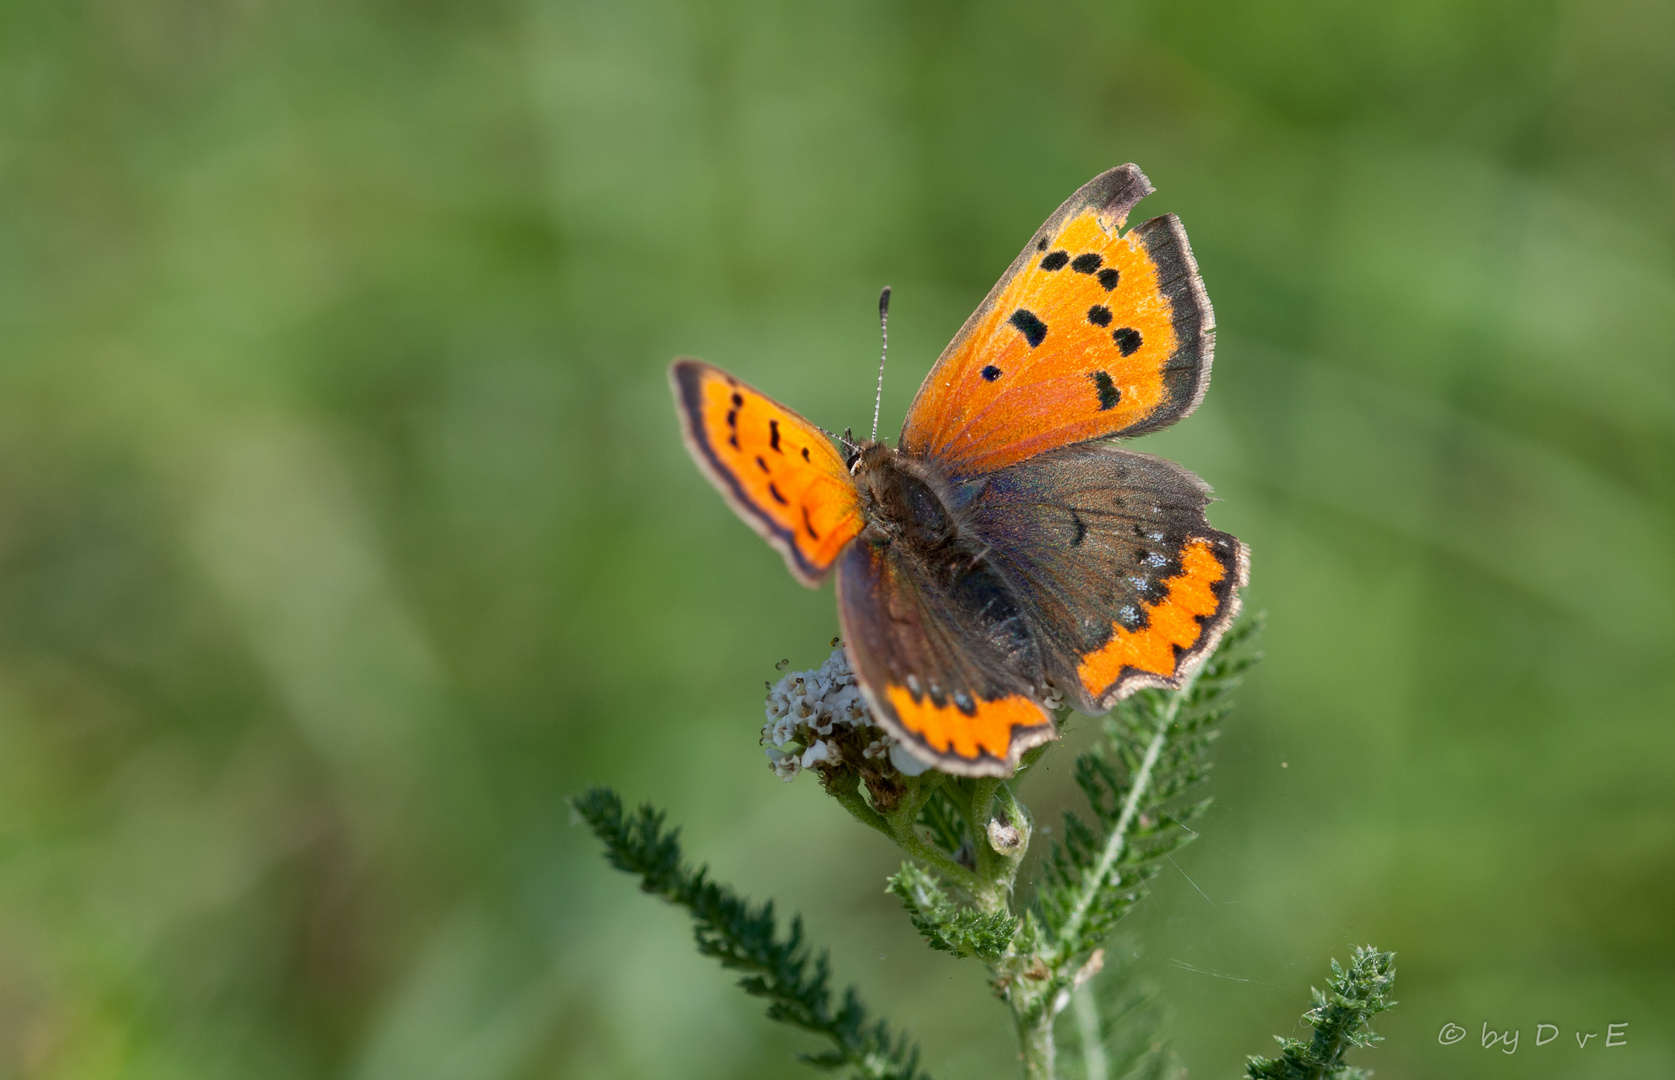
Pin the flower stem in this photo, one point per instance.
(849, 795)
(1039, 1051)
(904, 831)
(1094, 1062)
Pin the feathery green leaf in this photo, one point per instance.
(1341, 1020)
(949, 926)
(743, 937)
(1155, 750)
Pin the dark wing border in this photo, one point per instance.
(1187, 374)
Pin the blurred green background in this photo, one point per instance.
(345, 529)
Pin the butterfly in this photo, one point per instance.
(1005, 551)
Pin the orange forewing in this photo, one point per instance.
(777, 470)
(1180, 628)
(1092, 332)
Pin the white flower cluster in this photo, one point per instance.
(805, 711)
(809, 711)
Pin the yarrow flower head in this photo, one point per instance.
(805, 707)
(820, 720)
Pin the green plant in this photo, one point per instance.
(746, 938)
(966, 839)
(1340, 1018)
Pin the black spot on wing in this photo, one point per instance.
(1081, 529)
(778, 498)
(1109, 395)
(1055, 261)
(991, 373)
(808, 526)
(1127, 339)
(762, 464)
(773, 435)
(1099, 315)
(1041, 244)
(1033, 329)
(1088, 263)
(805, 454)
(1108, 277)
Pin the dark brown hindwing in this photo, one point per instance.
(1109, 550)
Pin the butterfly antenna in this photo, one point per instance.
(846, 440)
(884, 331)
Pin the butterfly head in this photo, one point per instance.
(868, 457)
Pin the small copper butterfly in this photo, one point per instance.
(1005, 549)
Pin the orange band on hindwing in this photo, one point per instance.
(1175, 626)
(948, 730)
